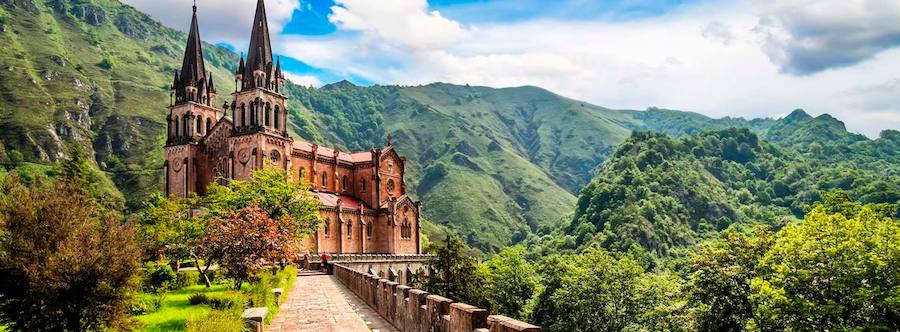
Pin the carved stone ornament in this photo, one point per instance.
(176, 166)
(244, 155)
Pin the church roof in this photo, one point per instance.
(259, 55)
(327, 152)
(347, 201)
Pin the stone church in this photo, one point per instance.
(364, 205)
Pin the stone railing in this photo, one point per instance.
(348, 258)
(412, 310)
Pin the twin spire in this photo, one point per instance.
(195, 84)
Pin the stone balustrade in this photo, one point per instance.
(412, 310)
(347, 258)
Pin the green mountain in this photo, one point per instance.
(494, 165)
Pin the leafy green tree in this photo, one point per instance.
(720, 275)
(67, 264)
(831, 272)
(170, 228)
(272, 190)
(512, 283)
(457, 275)
(77, 169)
(596, 291)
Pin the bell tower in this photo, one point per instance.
(259, 131)
(191, 116)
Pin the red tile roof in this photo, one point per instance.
(350, 202)
(329, 152)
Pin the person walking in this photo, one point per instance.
(325, 262)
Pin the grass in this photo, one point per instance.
(177, 314)
(176, 311)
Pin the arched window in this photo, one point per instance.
(268, 116)
(363, 184)
(243, 114)
(325, 229)
(208, 124)
(324, 179)
(199, 125)
(344, 183)
(176, 132)
(300, 172)
(369, 230)
(277, 118)
(187, 125)
(350, 229)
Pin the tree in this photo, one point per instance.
(596, 291)
(512, 283)
(271, 190)
(247, 240)
(720, 275)
(457, 275)
(67, 263)
(180, 228)
(831, 272)
(170, 229)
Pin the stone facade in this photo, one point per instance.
(364, 205)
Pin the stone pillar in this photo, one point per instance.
(436, 308)
(465, 318)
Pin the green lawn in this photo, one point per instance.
(176, 311)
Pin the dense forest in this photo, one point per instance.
(718, 231)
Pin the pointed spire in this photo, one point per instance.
(259, 54)
(211, 86)
(278, 74)
(193, 68)
(175, 81)
(240, 70)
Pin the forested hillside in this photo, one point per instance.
(663, 194)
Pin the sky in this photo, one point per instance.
(741, 58)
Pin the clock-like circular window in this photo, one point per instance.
(275, 156)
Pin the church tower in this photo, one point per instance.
(259, 127)
(191, 116)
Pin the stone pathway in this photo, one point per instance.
(318, 302)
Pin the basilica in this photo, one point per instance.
(364, 206)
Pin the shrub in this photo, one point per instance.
(159, 276)
(70, 265)
(217, 321)
(107, 63)
(186, 278)
(146, 303)
(226, 301)
(198, 298)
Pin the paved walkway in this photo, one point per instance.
(318, 302)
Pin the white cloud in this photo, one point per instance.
(405, 22)
(228, 21)
(304, 80)
(685, 60)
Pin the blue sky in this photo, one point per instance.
(747, 58)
